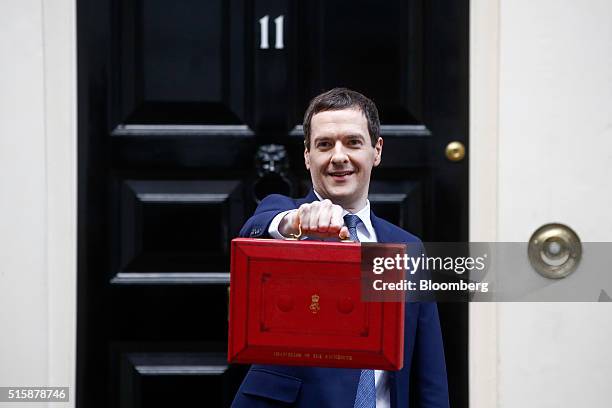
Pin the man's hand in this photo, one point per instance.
(319, 219)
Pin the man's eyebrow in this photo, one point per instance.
(355, 136)
(323, 137)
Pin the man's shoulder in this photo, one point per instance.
(277, 201)
(281, 201)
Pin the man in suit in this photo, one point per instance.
(342, 145)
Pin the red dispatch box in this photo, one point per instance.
(299, 303)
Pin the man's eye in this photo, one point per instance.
(354, 142)
(322, 145)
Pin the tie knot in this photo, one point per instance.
(351, 220)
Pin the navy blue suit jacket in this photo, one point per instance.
(424, 371)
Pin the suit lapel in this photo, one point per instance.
(383, 235)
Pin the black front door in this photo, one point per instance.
(180, 103)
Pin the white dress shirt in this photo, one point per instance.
(365, 233)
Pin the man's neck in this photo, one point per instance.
(353, 208)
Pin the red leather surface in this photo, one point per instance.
(299, 303)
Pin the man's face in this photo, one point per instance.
(341, 156)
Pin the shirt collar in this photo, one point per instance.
(363, 214)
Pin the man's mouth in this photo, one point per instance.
(341, 175)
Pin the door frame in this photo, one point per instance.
(483, 180)
(59, 71)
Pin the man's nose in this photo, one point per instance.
(339, 153)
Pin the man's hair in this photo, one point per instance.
(338, 99)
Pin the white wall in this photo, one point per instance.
(37, 194)
(547, 159)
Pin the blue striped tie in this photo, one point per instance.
(351, 221)
(366, 390)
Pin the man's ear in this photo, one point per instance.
(307, 158)
(378, 147)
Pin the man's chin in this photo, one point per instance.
(339, 195)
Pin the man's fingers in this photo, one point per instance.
(336, 219)
(308, 218)
(325, 216)
(294, 221)
(313, 220)
(322, 219)
(344, 233)
(303, 216)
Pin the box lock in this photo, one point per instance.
(554, 251)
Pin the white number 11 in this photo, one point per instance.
(263, 24)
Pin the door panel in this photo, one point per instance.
(170, 226)
(173, 62)
(371, 47)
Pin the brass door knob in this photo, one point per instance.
(554, 251)
(455, 151)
